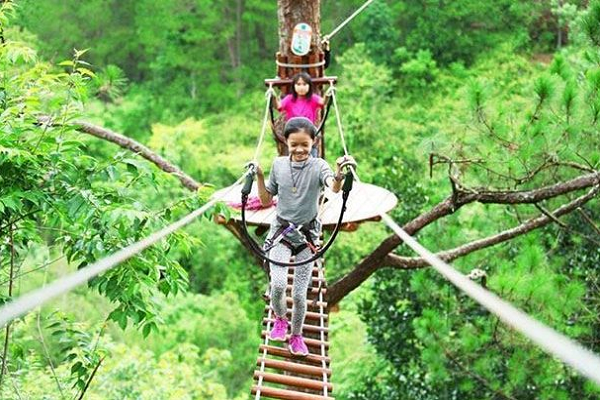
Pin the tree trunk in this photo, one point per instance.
(292, 12)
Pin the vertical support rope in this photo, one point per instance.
(264, 356)
(322, 326)
(261, 138)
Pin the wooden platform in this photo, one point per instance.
(366, 202)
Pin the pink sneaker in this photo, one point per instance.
(279, 329)
(297, 346)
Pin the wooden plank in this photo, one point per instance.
(311, 358)
(293, 367)
(315, 307)
(285, 394)
(309, 314)
(287, 380)
(314, 280)
(311, 291)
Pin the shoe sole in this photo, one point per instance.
(297, 354)
(277, 339)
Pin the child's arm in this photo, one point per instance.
(263, 194)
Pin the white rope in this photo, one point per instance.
(261, 138)
(29, 301)
(321, 277)
(338, 118)
(556, 344)
(264, 355)
(350, 18)
(290, 65)
(569, 351)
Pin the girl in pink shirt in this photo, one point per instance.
(301, 102)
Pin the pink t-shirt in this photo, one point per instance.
(301, 107)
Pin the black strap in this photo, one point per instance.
(346, 188)
(305, 230)
(324, 119)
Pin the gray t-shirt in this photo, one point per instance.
(299, 205)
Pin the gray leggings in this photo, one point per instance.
(302, 275)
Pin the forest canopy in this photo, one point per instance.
(480, 116)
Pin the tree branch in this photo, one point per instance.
(139, 149)
(396, 261)
(375, 260)
(339, 289)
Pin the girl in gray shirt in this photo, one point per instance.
(297, 180)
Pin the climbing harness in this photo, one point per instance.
(287, 227)
(247, 187)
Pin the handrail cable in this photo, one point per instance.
(268, 94)
(31, 300)
(553, 342)
(350, 18)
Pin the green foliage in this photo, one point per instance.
(377, 30)
(500, 117)
(420, 72)
(214, 328)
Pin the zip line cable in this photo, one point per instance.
(31, 300)
(553, 342)
(350, 18)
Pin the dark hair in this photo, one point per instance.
(307, 79)
(299, 124)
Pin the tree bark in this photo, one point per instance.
(292, 12)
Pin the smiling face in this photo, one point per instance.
(299, 145)
(301, 87)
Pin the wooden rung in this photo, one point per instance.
(315, 271)
(293, 381)
(287, 82)
(293, 367)
(314, 343)
(311, 291)
(309, 303)
(305, 327)
(309, 314)
(287, 394)
(311, 358)
(314, 280)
